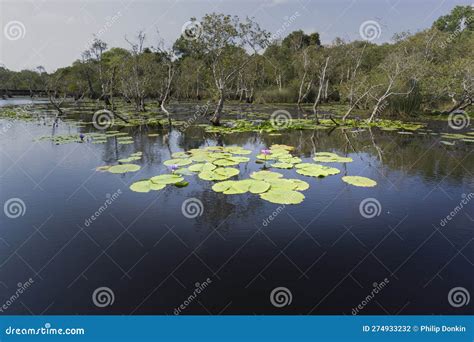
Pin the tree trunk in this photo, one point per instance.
(216, 118)
(375, 110)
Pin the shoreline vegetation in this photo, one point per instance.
(223, 59)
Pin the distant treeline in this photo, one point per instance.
(223, 57)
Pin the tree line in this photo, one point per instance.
(222, 58)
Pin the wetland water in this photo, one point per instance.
(153, 257)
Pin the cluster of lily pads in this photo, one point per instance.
(123, 166)
(217, 164)
(93, 137)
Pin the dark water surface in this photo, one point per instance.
(152, 257)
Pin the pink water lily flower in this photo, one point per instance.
(266, 152)
(174, 167)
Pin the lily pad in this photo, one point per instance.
(328, 157)
(103, 168)
(202, 167)
(145, 186)
(166, 179)
(264, 175)
(241, 187)
(225, 162)
(359, 181)
(282, 165)
(283, 196)
(124, 168)
(221, 173)
(300, 185)
(292, 160)
(180, 155)
(316, 170)
(179, 162)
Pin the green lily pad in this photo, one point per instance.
(225, 162)
(316, 170)
(241, 187)
(124, 168)
(103, 168)
(292, 160)
(177, 155)
(359, 181)
(282, 165)
(300, 185)
(279, 196)
(221, 173)
(264, 175)
(179, 162)
(328, 157)
(181, 184)
(202, 167)
(166, 179)
(183, 171)
(200, 157)
(145, 186)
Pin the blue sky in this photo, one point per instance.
(53, 33)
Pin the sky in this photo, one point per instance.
(53, 33)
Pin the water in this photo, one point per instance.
(153, 258)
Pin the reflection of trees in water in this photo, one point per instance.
(220, 211)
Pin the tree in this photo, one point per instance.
(224, 40)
